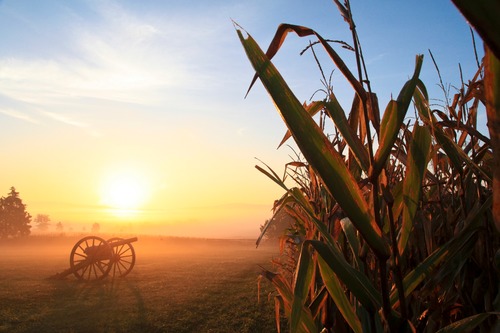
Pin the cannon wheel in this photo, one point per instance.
(123, 259)
(89, 265)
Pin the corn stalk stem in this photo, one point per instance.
(398, 277)
(357, 51)
(386, 303)
(492, 90)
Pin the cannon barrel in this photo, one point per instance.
(122, 241)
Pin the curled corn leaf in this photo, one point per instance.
(392, 120)
(317, 149)
(418, 157)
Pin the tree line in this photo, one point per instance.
(15, 221)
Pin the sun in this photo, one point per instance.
(125, 191)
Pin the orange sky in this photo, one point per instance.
(132, 114)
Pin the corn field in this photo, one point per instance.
(394, 226)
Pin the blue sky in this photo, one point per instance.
(88, 88)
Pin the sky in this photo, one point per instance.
(132, 114)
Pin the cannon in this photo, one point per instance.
(93, 258)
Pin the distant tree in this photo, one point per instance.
(96, 227)
(14, 219)
(59, 227)
(281, 223)
(42, 221)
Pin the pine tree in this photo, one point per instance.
(14, 219)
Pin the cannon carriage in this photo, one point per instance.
(93, 258)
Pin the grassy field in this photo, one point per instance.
(177, 285)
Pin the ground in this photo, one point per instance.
(177, 285)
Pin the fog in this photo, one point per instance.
(174, 280)
(47, 255)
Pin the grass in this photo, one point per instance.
(177, 285)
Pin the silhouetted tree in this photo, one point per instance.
(42, 221)
(14, 219)
(279, 226)
(96, 227)
(59, 227)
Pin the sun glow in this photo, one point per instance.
(125, 192)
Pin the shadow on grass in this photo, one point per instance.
(99, 306)
(194, 288)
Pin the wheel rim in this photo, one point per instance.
(90, 258)
(123, 259)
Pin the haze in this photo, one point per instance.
(132, 114)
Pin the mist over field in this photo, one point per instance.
(177, 285)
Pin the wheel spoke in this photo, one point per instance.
(125, 263)
(84, 270)
(98, 265)
(89, 272)
(80, 255)
(117, 267)
(123, 257)
(120, 264)
(89, 258)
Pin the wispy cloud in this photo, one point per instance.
(113, 66)
(376, 58)
(118, 58)
(64, 119)
(18, 115)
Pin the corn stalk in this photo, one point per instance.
(394, 237)
(483, 16)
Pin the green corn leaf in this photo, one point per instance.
(389, 128)
(483, 16)
(317, 303)
(278, 304)
(282, 286)
(338, 295)
(317, 149)
(421, 101)
(397, 194)
(392, 120)
(306, 322)
(301, 31)
(418, 157)
(457, 155)
(303, 277)
(446, 252)
(272, 175)
(355, 281)
(337, 114)
(454, 152)
(467, 324)
(312, 108)
(350, 234)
